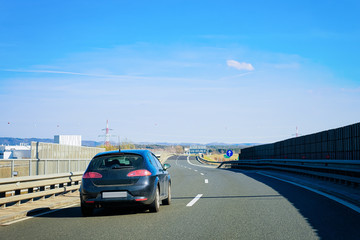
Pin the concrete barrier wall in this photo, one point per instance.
(41, 150)
(33, 167)
(339, 144)
(49, 158)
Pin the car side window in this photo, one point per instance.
(152, 161)
(157, 162)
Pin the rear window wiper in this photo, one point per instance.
(120, 167)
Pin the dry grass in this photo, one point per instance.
(220, 157)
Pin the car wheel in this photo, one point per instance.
(167, 201)
(86, 211)
(155, 205)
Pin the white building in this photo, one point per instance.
(15, 152)
(24, 151)
(72, 140)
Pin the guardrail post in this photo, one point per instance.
(37, 166)
(38, 159)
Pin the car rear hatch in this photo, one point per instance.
(114, 169)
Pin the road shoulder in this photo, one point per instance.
(27, 209)
(347, 193)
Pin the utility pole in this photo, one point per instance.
(107, 134)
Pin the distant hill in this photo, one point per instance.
(91, 143)
(237, 145)
(18, 141)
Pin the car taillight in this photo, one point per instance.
(139, 173)
(92, 175)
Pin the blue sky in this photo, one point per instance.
(178, 71)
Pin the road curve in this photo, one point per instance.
(208, 203)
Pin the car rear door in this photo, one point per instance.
(161, 173)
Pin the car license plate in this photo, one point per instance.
(114, 194)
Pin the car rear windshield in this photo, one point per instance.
(105, 162)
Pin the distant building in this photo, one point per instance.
(72, 140)
(15, 152)
(196, 149)
(187, 150)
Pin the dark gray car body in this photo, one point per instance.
(116, 188)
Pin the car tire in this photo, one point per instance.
(167, 201)
(86, 211)
(155, 205)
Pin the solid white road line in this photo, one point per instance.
(206, 180)
(198, 165)
(347, 204)
(194, 200)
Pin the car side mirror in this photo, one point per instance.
(166, 166)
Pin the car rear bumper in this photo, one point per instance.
(138, 194)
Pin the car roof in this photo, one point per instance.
(133, 151)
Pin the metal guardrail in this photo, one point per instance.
(33, 167)
(18, 190)
(200, 159)
(343, 171)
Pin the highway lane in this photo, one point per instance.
(233, 205)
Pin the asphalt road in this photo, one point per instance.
(230, 205)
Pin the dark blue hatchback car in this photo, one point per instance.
(125, 178)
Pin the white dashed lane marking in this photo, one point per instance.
(190, 204)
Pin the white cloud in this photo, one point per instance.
(240, 65)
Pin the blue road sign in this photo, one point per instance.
(229, 153)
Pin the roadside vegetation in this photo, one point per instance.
(123, 145)
(176, 149)
(220, 157)
(216, 153)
